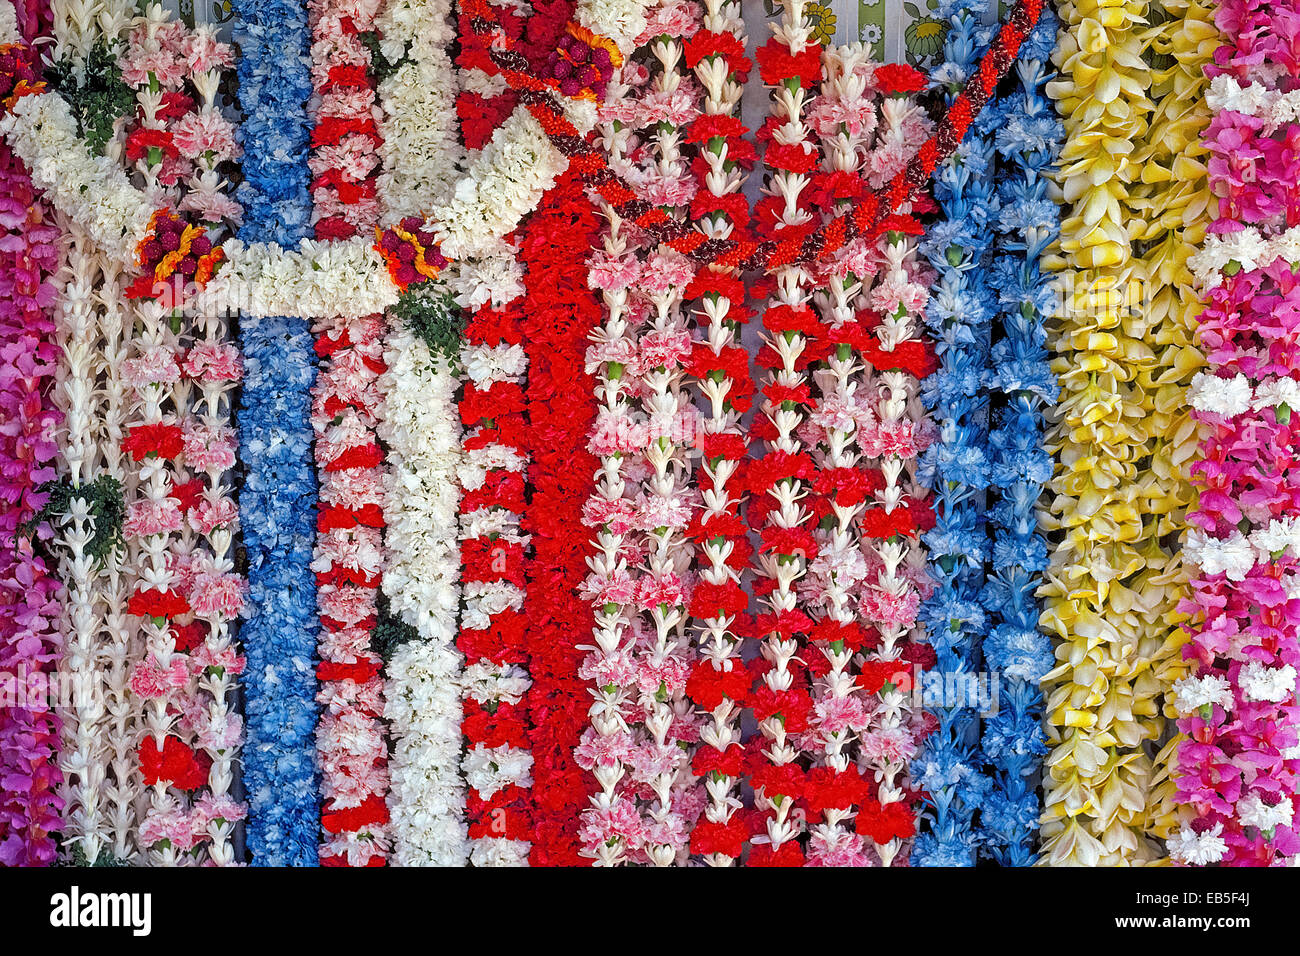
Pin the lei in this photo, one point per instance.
(1098, 713)
(30, 592)
(720, 681)
(1027, 137)
(957, 466)
(1236, 769)
(278, 499)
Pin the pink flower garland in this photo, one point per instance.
(645, 434)
(1238, 768)
(180, 519)
(29, 608)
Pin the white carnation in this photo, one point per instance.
(1193, 693)
(1187, 846)
(489, 769)
(1220, 396)
(1272, 684)
(1252, 811)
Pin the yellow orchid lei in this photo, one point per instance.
(1101, 697)
(1172, 209)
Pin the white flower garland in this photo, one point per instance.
(1275, 107)
(92, 191)
(421, 151)
(420, 427)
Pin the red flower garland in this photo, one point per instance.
(348, 565)
(559, 312)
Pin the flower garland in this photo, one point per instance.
(641, 507)
(1027, 136)
(85, 509)
(958, 466)
(497, 687)
(864, 136)
(559, 313)
(349, 561)
(1099, 708)
(421, 155)
(1237, 769)
(345, 140)
(719, 682)
(892, 439)
(186, 590)
(421, 582)
(30, 642)
(349, 555)
(278, 498)
(790, 64)
(1175, 214)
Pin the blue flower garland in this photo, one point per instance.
(956, 467)
(1028, 137)
(278, 499)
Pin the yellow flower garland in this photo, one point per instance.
(1101, 696)
(1172, 204)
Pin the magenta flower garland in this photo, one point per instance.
(30, 642)
(1237, 771)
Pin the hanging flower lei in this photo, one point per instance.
(559, 313)
(645, 807)
(85, 512)
(1027, 136)
(277, 501)
(847, 117)
(417, 621)
(889, 599)
(719, 682)
(790, 63)
(420, 151)
(1098, 694)
(421, 582)
(185, 593)
(498, 689)
(1174, 207)
(349, 561)
(349, 555)
(29, 592)
(1237, 771)
(957, 466)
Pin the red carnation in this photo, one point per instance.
(789, 318)
(776, 63)
(725, 838)
(894, 78)
(789, 855)
(153, 441)
(793, 706)
(881, 824)
(174, 763)
(154, 603)
(785, 779)
(874, 675)
(729, 762)
(724, 445)
(707, 685)
(143, 139)
(789, 541)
